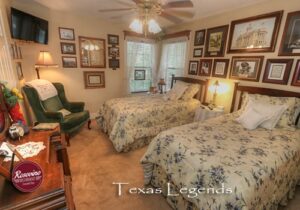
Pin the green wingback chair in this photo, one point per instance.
(47, 111)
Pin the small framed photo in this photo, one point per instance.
(193, 67)
(94, 79)
(216, 41)
(114, 52)
(220, 68)
(19, 70)
(66, 34)
(296, 77)
(205, 67)
(198, 52)
(199, 37)
(278, 71)
(68, 48)
(246, 68)
(69, 62)
(113, 39)
(139, 74)
(114, 63)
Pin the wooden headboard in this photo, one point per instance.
(259, 90)
(201, 95)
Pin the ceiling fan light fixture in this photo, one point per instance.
(153, 27)
(136, 26)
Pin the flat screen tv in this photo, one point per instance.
(28, 27)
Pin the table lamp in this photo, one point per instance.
(44, 61)
(215, 88)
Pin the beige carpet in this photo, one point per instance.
(95, 166)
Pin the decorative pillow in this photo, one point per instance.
(251, 119)
(52, 104)
(176, 92)
(190, 92)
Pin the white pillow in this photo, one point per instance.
(177, 91)
(190, 92)
(251, 119)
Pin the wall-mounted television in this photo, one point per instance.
(28, 27)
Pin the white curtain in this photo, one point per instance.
(131, 59)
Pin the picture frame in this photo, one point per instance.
(113, 39)
(68, 48)
(114, 63)
(16, 51)
(290, 41)
(66, 34)
(296, 77)
(199, 37)
(198, 52)
(255, 34)
(278, 71)
(216, 41)
(19, 70)
(220, 68)
(94, 79)
(193, 67)
(92, 52)
(69, 62)
(139, 74)
(205, 67)
(246, 68)
(114, 52)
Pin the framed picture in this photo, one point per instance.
(16, 51)
(113, 39)
(198, 52)
(296, 78)
(254, 34)
(246, 68)
(69, 62)
(205, 67)
(220, 68)
(19, 70)
(139, 75)
(290, 43)
(66, 34)
(216, 41)
(113, 52)
(114, 63)
(278, 71)
(92, 52)
(193, 67)
(68, 48)
(199, 37)
(94, 79)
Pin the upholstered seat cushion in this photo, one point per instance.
(75, 119)
(52, 104)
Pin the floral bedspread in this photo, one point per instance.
(259, 167)
(131, 118)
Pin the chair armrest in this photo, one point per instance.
(55, 116)
(75, 106)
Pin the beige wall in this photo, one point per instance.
(73, 78)
(226, 18)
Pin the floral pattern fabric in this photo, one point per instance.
(128, 119)
(260, 166)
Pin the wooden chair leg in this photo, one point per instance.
(89, 124)
(67, 137)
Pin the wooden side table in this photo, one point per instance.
(203, 113)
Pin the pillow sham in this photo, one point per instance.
(251, 119)
(176, 92)
(190, 92)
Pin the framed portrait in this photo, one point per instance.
(113, 51)
(216, 41)
(114, 63)
(246, 68)
(193, 67)
(296, 77)
(94, 79)
(92, 52)
(290, 43)
(113, 39)
(139, 74)
(199, 37)
(220, 68)
(278, 71)
(205, 67)
(255, 34)
(69, 62)
(68, 48)
(66, 33)
(19, 70)
(198, 52)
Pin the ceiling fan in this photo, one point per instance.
(148, 10)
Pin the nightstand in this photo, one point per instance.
(204, 112)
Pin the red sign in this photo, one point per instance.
(27, 176)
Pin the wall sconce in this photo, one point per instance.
(161, 85)
(44, 61)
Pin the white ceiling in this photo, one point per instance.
(202, 8)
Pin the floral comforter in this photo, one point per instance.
(258, 167)
(129, 119)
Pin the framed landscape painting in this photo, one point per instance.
(68, 48)
(69, 62)
(278, 71)
(205, 67)
(216, 41)
(246, 68)
(66, 34)
(139, 74)
(220, 68)
(296, 78)
(193, 68)
(255, 34)
(290, 43)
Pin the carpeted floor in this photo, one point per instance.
(95, 165)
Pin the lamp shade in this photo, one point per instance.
(45, 60)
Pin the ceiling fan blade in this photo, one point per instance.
(127, 4)
(115, 10)
(121, 16)
(178, 4)
(137, 1)
(170, 17)
(185, 14)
